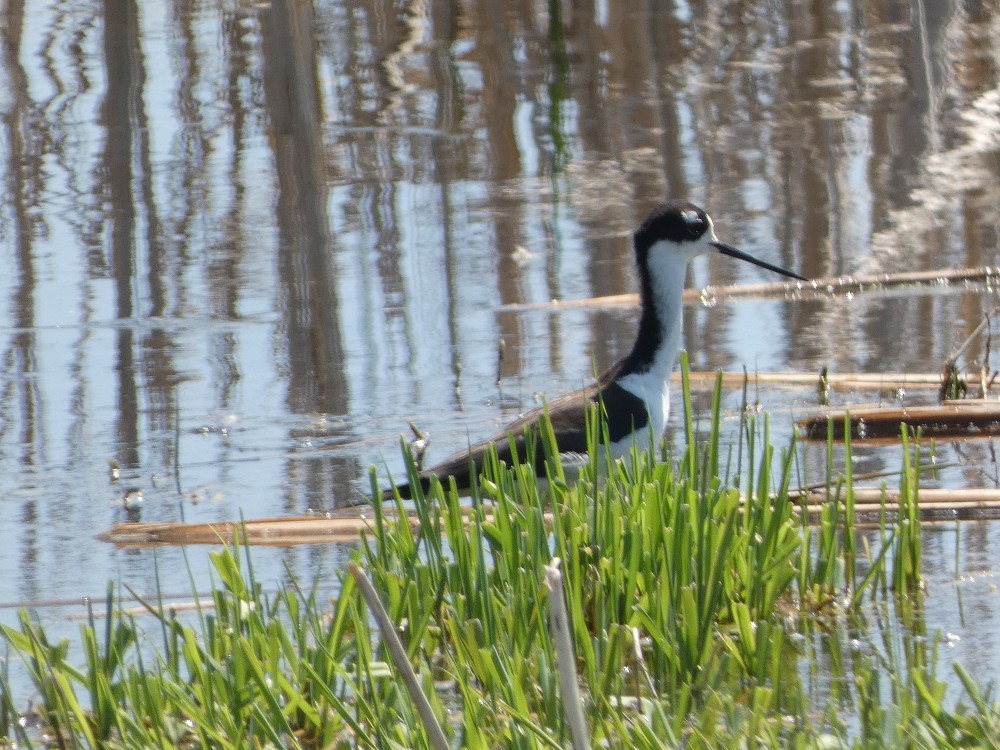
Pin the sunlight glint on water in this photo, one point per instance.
(243, 249)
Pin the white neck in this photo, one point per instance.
(667, 269)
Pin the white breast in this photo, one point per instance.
(653, 387)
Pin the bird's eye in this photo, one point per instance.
(694, 223)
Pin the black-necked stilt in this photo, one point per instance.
(635, 391)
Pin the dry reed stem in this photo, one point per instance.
(826, 286)
(961, 419)
(347, 527)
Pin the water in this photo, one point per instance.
(247, 243)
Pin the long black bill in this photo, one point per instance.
(732, 252)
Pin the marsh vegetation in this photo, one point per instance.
(705, 611)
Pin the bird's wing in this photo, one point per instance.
(567, 414)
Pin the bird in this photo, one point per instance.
(635, 391)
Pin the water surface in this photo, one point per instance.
(245, 244)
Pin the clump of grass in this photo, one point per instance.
(695, 609)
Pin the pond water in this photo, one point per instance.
(246, 243)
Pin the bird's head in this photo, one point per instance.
(683, 229)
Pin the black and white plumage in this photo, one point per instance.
(635, 392)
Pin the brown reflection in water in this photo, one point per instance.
(500, 30)
(19, 396)
(628, 98)
(124, 126)
(225, 258)
(310, 305)
(140, 357)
